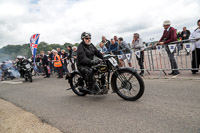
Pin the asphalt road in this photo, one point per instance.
(167, 106)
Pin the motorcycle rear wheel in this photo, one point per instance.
(75, 84)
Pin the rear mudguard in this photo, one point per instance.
(115, 74)
(72, 75)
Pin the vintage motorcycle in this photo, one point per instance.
(25, 68)
(125, 81)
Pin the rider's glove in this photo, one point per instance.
(95, 62)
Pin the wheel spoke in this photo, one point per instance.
(127, 84)
(130, 77)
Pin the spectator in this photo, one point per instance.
(57, 64)
(185, 34)
(105, 42)
(74, 57)
(45, 63)
(102, 48)
(38, 58)
(179, 38)
(69, 48)
(113, 48)
(59, 52)
(116, 39)
(50, 58)
(196, 49)
(126, 50)
(63, 57)
(38, 63)
(138, 45)
(169, 35)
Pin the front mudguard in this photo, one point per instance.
(118, 71)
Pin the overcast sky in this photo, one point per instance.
(61, 21)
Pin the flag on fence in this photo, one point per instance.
(172, 47)
(128, 56)
(119, 56)
(188, 46)
(159, 48)
(137, 53)
(33, 45)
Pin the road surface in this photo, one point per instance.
(167, 106)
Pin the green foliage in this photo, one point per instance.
(10, 52)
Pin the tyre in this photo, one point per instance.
(76, 82)
(128, 84)
(30, 77)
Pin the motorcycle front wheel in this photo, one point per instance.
(30, 77)
(128, 84)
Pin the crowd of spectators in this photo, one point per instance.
(61, 61)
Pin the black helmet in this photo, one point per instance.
(198, 21)
(120, 38)
(85, 34)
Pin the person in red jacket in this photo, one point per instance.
(169, 35)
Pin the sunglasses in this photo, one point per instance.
(87, 38)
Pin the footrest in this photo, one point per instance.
(68, 89)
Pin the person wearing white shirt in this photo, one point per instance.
(138, 45)
(196, 49)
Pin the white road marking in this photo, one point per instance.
(12, 82)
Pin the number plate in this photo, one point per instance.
(113, 61)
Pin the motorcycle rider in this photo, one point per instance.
(22, 61)
(85, 60)
(20, 65)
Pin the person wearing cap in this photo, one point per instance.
(85, 60)
(196, 49)
(169, 35)
(124, 47)
(137, 45)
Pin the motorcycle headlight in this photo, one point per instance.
(28, 65)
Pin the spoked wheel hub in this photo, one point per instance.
(126, 85)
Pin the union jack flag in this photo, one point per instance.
(34, 44)
(34, 40)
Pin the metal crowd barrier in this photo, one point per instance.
(156, 57)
